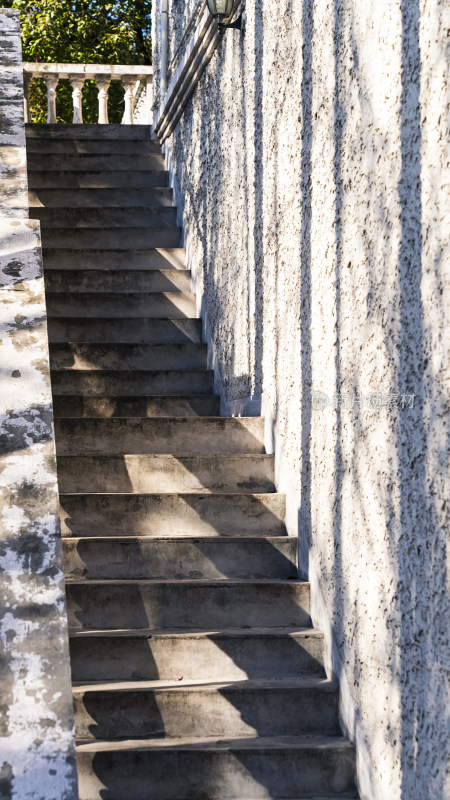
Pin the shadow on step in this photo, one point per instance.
(196, 609)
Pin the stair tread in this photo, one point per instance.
(187, 581)
(135, 495)
(57, 344)
(135, 421)
(124, 372)
(190, 456)
(303, 742)
(120, 230)
(91, 170)
(166, 457)
(188, 537)
(85, 130)
(315, 682)
(194, 633)
(114, 320)
(122, 294)
(108, 271)
(164, 397)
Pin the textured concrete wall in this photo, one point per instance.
(13, 163)
(37, 756)
(313, 178)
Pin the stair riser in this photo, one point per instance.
(75, 132)
(165, 473)
(219, 775)
(225, 712)
(128, 356)
(106, 179)
(184, 436)
(172, 305)
(163, 258)
(100, 198)
(147, 407)
(118, 281)
(213, 657)
(110, 238)
(138, 384)
(90, 162)
(184, 605)
(175, 515)
(91, 146)
(51, 218)
(124, 331)
(196, 558)
(131, 331)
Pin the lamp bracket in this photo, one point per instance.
(237, 25)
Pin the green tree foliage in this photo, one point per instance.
(83, 31)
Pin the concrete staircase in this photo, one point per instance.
(196, 671)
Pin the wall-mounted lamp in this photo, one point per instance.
(222, 9)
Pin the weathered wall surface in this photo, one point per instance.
(13, 163)
(37, 755)
(312, 165)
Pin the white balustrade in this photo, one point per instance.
(137, 81)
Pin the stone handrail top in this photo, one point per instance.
(113, 71)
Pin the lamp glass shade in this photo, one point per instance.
(220, 8)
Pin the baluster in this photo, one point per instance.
(51, 83)
(27, 78)
(77, 85)
(127, 118)
(103, 86)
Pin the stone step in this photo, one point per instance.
(142, 709)
(100, 179)
(123, 383)
(133, 330)
(212, 558)
(81, 218)
(106, 605)
(234, 654)
(72, 356)
(90, 162)
(71, 146)
(110, 238)
(119, 280)
(149, 259)
(86, 131)
(153, 305)
(139, 474)
(235, 769)
(100, 198)
(175, 435)
(172, 514)
(107, 407)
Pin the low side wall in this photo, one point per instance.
(37, 753)
(311, 169)
(13, 160)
